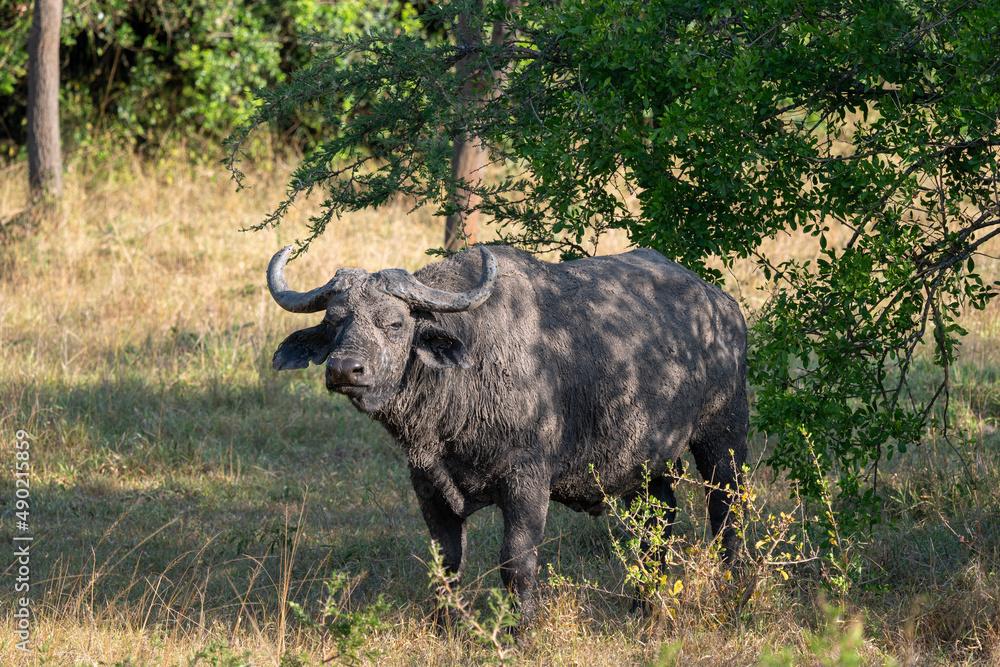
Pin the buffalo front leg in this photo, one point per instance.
(447, 528)
(524, 512)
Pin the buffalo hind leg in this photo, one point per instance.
(720, 454)
(661, 488)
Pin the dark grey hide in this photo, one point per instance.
(504, 379)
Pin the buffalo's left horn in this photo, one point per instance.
(404, 285)
(312, 301)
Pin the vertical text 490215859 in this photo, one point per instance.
(22, 539)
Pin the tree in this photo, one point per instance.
(44, 142)
(468, 158)
(145, 74)
(702, 131)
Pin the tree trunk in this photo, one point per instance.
(44, 144)
(468, 158)
(468, 161)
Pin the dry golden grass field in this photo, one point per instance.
(182, 494)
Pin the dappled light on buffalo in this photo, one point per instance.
(509, 381)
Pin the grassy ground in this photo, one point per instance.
(182, 493)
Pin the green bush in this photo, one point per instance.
(868, 130)
(148, 72)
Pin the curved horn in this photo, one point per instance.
(312, 301)
(404, 285)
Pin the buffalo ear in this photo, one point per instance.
(296, 351)
(439, 349)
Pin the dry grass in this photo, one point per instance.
(182, 492)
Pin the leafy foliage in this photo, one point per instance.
(152, 71)
(677, 578)
(703, 131)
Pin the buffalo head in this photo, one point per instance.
(373, 321)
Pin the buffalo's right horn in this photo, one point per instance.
(312, 301)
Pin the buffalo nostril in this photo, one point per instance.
(345, 371)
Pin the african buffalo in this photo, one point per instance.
(511, 381)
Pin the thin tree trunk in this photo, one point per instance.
(468, 161)
(44, 144)
(468, 158)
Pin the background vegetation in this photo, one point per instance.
(182, 491)
(148, 74)
(183, 494)
(701, 131)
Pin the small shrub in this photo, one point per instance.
(495, 629)
(682, 582)
(350, 632)
(218, 654)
